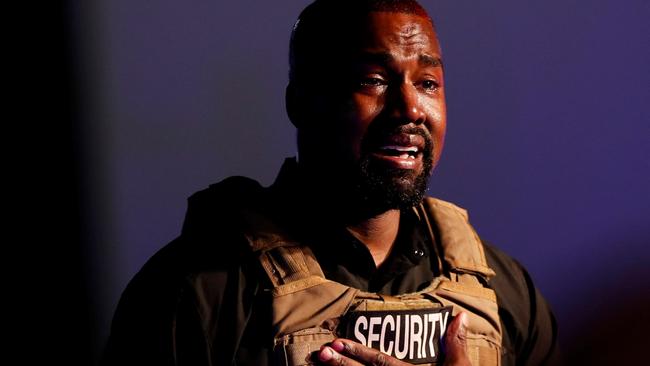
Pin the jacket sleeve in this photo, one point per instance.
(529, 326)
(168, 317)
(214, 316)
(143, 324)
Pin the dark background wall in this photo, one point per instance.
(548, 138)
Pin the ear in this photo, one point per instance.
(294, 104)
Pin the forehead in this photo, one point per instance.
(388, 30)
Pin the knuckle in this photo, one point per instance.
(351, 349)
(461, 338)
(341, 361)
(380, 360)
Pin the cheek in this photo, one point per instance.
(437, 116)
(441, 125)
(359, 113)
(439, 139)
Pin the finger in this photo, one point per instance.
(363, 354)
(455, 342)
(328, 356)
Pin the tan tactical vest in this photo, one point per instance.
(307, 307)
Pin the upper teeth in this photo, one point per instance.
(400, 148)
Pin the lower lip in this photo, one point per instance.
(398, 162)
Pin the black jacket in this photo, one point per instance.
(200, 299)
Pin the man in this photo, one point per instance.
(343, 244)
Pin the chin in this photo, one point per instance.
(406, 193)
(387, 189)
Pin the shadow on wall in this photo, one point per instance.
(609, 325)
(616, 335)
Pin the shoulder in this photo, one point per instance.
(231, 190)
(210, 240)
(209, 254)
(510, 274)
(218, 203)
(529, 327)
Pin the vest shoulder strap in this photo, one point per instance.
(283, 259)
(460, 245)
(286, 260)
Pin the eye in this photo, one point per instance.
(430, 85)
(372, 82)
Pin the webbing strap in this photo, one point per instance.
(284, 260)
(482, 355)
(286, 264)
(476, 290)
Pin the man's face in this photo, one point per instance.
(382, 124)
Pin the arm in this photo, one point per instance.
(529, 327)
(142, 326)
(183, 308)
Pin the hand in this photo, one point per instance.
(455, 342)
(349, 353)
(344, 352)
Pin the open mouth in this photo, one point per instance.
(402, 152)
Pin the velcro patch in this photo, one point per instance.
(409, 335)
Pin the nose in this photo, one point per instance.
(406, 105)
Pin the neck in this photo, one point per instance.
(378, 233)
(375, 227)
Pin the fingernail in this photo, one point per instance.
(325, 354)
(338, 346)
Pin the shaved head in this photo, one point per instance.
(327, 22)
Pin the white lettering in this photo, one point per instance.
(361, 321)
(413, 336)
(423, 349)
(389, 320)
(372, 336)
(443, 324)
(402, 338)
(433, 318)
(416, 336)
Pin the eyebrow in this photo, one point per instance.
(383, 58)
(430, 60)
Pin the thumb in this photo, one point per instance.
(455, 343)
